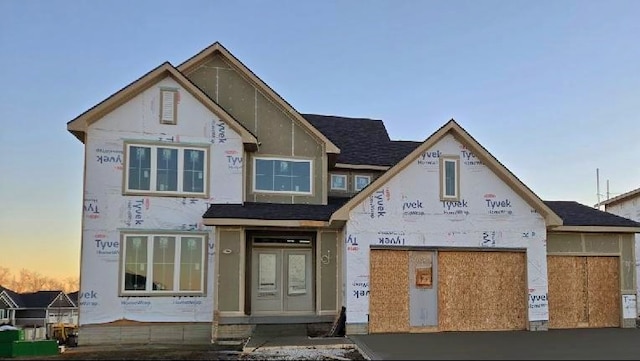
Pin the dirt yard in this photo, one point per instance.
(199, 352)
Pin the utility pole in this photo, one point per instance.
(598, 187)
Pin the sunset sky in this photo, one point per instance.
(550, 88)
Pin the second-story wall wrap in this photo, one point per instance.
(108, 212)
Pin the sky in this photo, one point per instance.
(550, 88)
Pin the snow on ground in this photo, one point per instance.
(303, 353)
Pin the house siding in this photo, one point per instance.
(406, 213)
(107, 211)
(279, 133)
(630, 208)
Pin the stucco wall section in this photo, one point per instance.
(107, 211)
(407, 211)
(279, 133)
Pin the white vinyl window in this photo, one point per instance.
(277, 175)
(361, 181)
(163, 263)
(449, 178)
(339, 182)
(165, 169)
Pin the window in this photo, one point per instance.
(282, 175)
(168, 106)
(163, 263)
(449, 181)
(339, 182)
(165, 169)
(361, 181)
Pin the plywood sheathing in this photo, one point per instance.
(389, 296)
(482, 291)
(568, 306)
(584, 291)
(604, 291)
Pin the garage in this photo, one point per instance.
(584, 291)
(482, 291)
(420, 291)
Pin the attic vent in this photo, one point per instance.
(168, 106)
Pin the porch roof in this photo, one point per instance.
(276, 211)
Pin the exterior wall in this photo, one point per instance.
(107, 211)
(350, 173)
(328, 260)
(630, 208)
(407, 212)
(230, 268)
(604, 244)
(280, 135)
(143, 333)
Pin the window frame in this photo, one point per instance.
(355, 181)
(174, 120)
(344, 177)
(444, 159)
(152, 191)
(149, 291)
(296, 160)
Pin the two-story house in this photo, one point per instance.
(211, 206)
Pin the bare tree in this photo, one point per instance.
(33, 281)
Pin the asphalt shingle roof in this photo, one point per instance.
(361, 141)
(576, 214)
(276, 211)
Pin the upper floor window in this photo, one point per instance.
(163, 263)
(282, 175)
(168, 106)
(165, 169)
(361, 181)
(338, 182)
(449, 178)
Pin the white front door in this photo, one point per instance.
(282, 280)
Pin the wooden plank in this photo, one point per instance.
(482, 291)
(604, 291)
(389, 291)
(568, 306)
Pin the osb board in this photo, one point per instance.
(568, 306)
(604, 291)
(584, 291)
(389, 291)
(482, 291)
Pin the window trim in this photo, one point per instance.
(443, 160)
(149, 268)
(299, 160)
(355, 181)
(181, 147)
(343, 176)
(162, 120)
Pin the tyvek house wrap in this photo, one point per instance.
(407, 211)
(107, 211)
(630, 209)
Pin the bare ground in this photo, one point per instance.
(199, 352)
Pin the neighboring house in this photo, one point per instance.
(212, 206)
(36, 309)
(627, 205)
(8, 305)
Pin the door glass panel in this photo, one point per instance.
(297, 279)
(267, 272)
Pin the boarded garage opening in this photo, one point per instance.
(389, 291)
(584, 291)
(481, 291)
